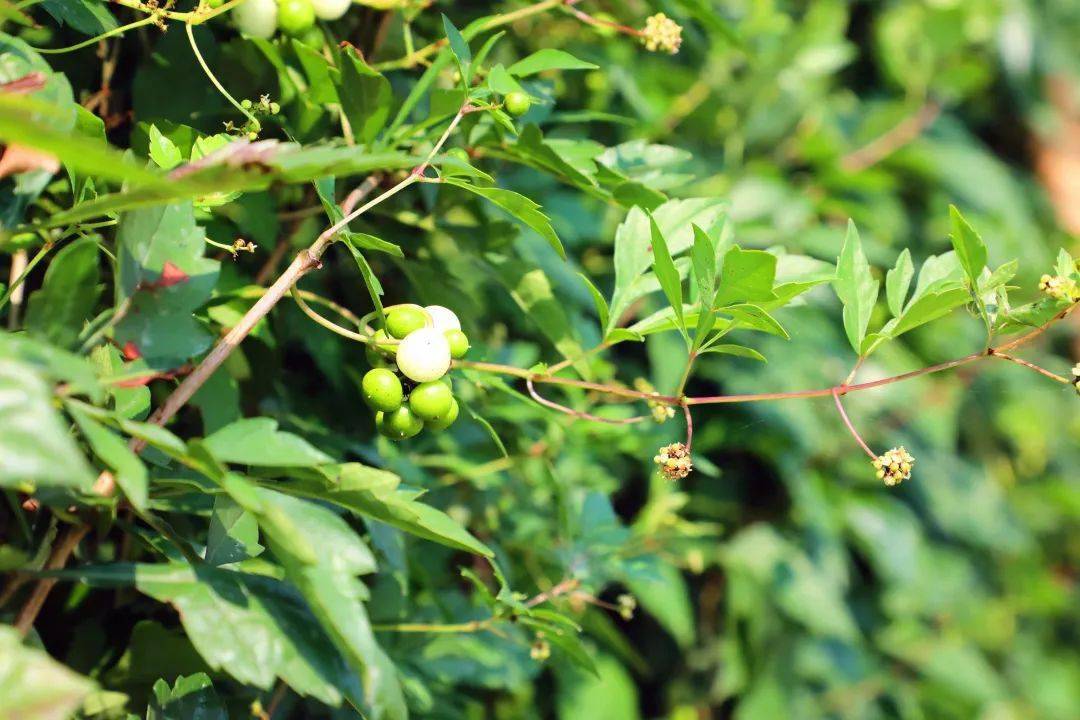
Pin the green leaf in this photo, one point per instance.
(897, 282)
(128, 469)
(633, 245)
(375, 493)
(90, 17)
(165, 277)
(662, 592)
(520, 207)
(747, 277)
(68, 295)
(33, 685)
(163, 151)
(233, 535)
(365, 97)
(320, 83)
(608, 694)
(703, 261)
(501, 82)
(35, 447)
(856, 287)
(598, 300)
(460, 48)
(548, 59)
(252, 627)
(257, 441)
(970, 248)
(753, 317)
(370, 242)
(737, 350)
(190, 698)
(666, 273)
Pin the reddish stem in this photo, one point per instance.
(850, 427)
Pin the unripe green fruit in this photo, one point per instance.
(378, 350)
(382, 390)
(446, 420)
(295, 16)
(313, 37)
(404, 320)
(459, 343)
(424, 355)
(399, 424)
(517, 103)
(431, 400)
(257, 18)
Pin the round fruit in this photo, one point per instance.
(446, 420)
(443, 318)
(295, 16)
(459, 343)
(517, 103)
(424, 355)
(382, 389)
(330, 9)
(257, 18)
(313, 37)
(431, 400)
(399, 424)
(404, 320)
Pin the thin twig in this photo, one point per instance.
(689, 427)
(1032, 366)
(903, 133)
(850, 427)
(577, 413)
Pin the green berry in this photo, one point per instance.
(403, 320)
(517, 103)
(446, 420)
(377, 351)
(459, 343)
(256, 18)
(313, 37)
(399, 424)
(382, 390)
(295, 16)
(431, 400)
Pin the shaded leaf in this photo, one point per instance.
(257, 441)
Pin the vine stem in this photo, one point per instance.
(188, 28)
(148, 20)
(1032, 366)
(850, 427)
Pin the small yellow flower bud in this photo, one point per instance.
(661, 33)
(894, 466)
(674, 461)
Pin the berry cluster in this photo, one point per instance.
(410, 357)
(894, 466)
(262, 18)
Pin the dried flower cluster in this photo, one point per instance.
(1059, 287)
(674, 461)
(894, 466)
(660, 412)
(661, 34)
(540, 649)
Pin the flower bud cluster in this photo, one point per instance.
(660, 411)
(674, 461)
(1059, 287)
(894, 466)
(661, 34)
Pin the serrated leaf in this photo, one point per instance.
(520, 207)
(233, 535)
(165, 277)
(747, 277)
(602, 311)
(970, 248)
(670, 282)
(128, 469)
(257, 441)
(856, 287)
(375, 493)
(252, 627)
(190, 698)
(548, 59)
(365, 97)
(897, 282)
(35, 447)
(33, 685)
(68, 295)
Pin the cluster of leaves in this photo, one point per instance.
(268, 552)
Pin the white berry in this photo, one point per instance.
(424, 355)
(330, 9)
(256, 18)
(443, 318)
